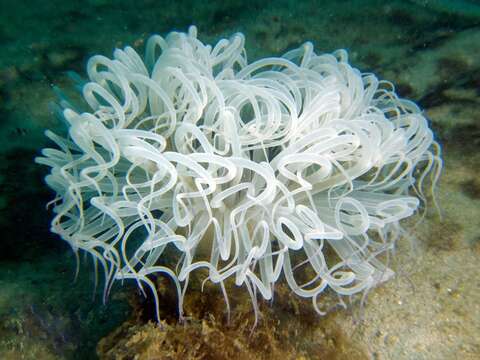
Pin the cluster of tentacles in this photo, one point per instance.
(297, 166)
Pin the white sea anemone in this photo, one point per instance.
(297, 166)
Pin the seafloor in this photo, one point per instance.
(430, 310)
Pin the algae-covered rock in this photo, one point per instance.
(288, 329)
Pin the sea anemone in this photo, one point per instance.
(297, 166)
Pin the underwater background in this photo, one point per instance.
(430, 310)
